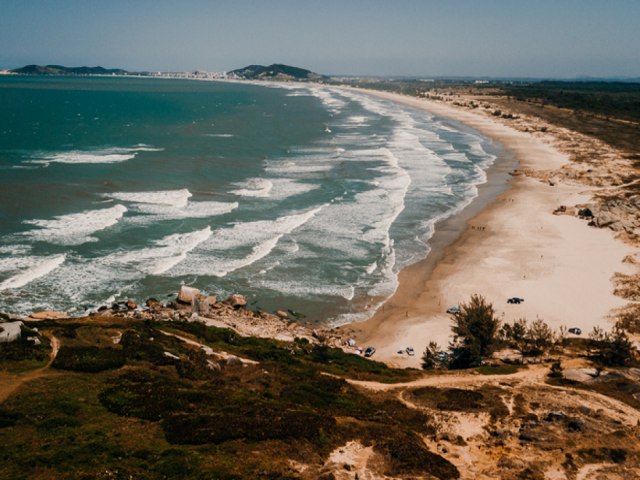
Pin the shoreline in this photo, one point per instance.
(505, 244)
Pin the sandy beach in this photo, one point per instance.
(515, 246)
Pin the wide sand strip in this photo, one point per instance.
(514, 247)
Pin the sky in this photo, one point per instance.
(425, 38)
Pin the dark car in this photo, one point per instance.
(515, 300)
(369, 351)
(575, 331)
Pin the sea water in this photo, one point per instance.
(308, 198)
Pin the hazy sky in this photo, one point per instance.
(541, 38)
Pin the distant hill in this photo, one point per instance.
(60, 70)
(276, 72)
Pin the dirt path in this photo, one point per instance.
(10, 382)
(532, 377)
(208, 350)
(534, 374)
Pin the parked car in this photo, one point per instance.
(453, 310)
(369, 351)
(411, 351)
(442, 356)
(575, 331)
(515, 300)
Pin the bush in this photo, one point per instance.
(475, 332)
(556, 370)
(533, 339)
(257, 425)
(88, 359)
(22, 349)
(144, 395)
(611, 348)
(430, 357)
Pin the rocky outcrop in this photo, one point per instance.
(48, 315)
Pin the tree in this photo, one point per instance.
(475, 332)
(538, 339)
(514, 334)
(611, 348)
(430, 358)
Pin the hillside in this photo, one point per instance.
(146, 394)
(60, 70)
(276, 72)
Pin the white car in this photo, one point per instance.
(411, 351)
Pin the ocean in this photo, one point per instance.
(299, 197)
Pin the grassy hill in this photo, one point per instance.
(60, 70)
(276, 72)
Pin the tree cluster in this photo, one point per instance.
(613, 349)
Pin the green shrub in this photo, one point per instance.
(258, 424)
(88, 359)
(145, 395)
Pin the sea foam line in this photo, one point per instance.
(75, 228)
(39, 269)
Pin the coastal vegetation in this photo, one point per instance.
(127, 395)
(478, 333)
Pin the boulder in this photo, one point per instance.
(232, 361)
(212, 300)
(153, 304)
(187, 294)
(10, 331)
(201, 304)
(282, 314)
(48, 315)
(131, 305)
(236, 301)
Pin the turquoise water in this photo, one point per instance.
(299, 197)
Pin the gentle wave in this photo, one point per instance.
(274, 188)
(257, 187)
(243, 244)
(166, 254)
(174, 198)
(97, 156)
(75, 228)
(170, 205)
(38, 268)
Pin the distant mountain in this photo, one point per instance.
(60, 70)
(276, 72)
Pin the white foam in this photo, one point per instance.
(97, 156)
(75, 228)
(174, 198)
(219, 135)
(142, 147)
(236, 247)
(257, 187)
(39, 268)
(166, 254)
(170, 205)
(330, 98)
(305, 290)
